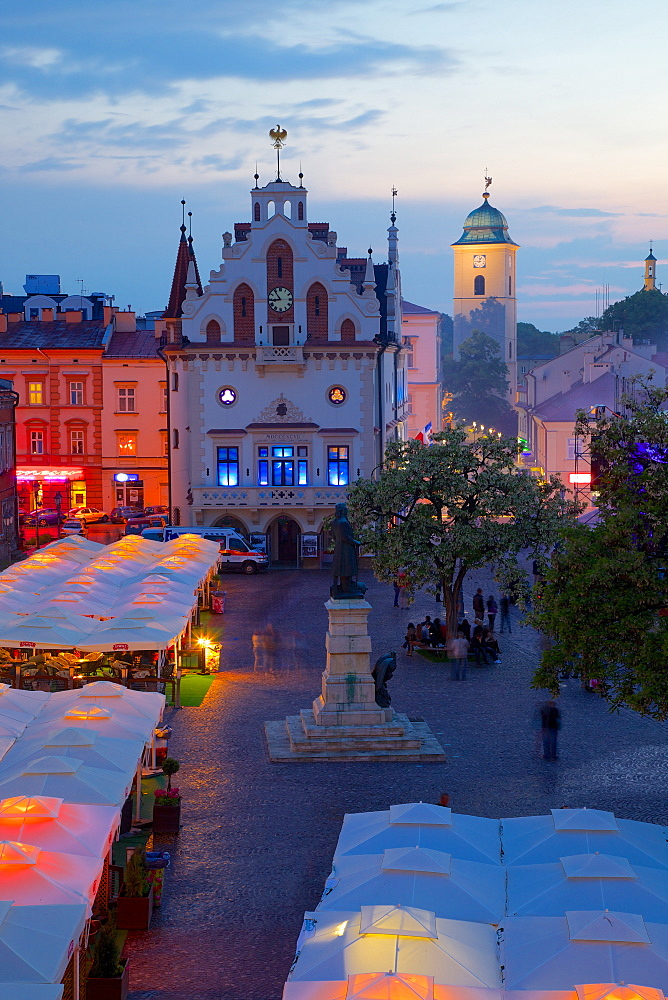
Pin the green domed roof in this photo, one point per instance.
(485, 225)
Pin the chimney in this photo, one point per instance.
(47, 315)
(15, 317)
(125, 322)
(3, 323)
(107, 313)
(73, 316)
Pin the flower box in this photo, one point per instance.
(166, 819)
(109, 989)
(133, 913)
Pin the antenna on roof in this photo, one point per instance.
(256, 175)
(301, 176)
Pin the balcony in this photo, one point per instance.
(288, 357)
(268, 496)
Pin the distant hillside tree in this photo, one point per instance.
(478, 381)
(643, 316)
(534, 342)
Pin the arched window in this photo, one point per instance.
(287, 210)
(479, 285)
(244, 315)
(347, 332)
(317, 320)
(213, 332)
(271, 209)
(256, 212)
(279, 273)
(300, 211)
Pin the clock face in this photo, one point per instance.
(479, 260)
(280, 299)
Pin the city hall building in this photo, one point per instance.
(286, 377)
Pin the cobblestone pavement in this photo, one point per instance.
(258, 838)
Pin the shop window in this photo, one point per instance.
(228, 466)
(127, 444)
(76, 442)
(479, 285)
(36, 393)
(126, 399)
(76, 392)
(36, 442)
(338, 465)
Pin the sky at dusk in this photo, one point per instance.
(111, 112)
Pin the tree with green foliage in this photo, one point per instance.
(586, 328)
(440, 511)
(478, 381)
(643, 316)
(534, 342)
(604, 600)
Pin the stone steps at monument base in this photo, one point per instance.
(281, 748)
(394, 729)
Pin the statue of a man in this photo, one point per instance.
(382, 672)
(345, 562)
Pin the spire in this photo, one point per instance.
(184, 254)
(393, 234)
(369, 283)
(391, 297)
(191, 252)
(650, 271)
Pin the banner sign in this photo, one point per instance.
(120, 645)
(28, 645)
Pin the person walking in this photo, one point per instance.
(550, 724)
(458, 650)
(505, 613)
(479, 604)
(492, 608)
(399, 582)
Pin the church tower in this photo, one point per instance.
(485, 284)
(650, 272)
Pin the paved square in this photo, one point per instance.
(258, 837)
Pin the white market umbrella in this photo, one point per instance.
(36, 941)
(418, 876)
(588, 882)
(81, 603)
(91, 748)
(555, 953)
(121, 569)
(399, 940)
(31, 991)
(421, 824)
(566, 832)
(23, 706)
(130, 634)
(96, 718)
(118, 699)
(32, 876)
(56, 825)
(41, 633)
(66, 778)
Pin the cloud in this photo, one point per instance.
(53, 163)
(578, 213)
(32, 56)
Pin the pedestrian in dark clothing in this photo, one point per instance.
(505, 613)
(410, 638)
(423, 629)
(435, 632)
(492, 608)
(465, 627)
(492, 646)
(550, 724)
(479, 604)
(477, 647)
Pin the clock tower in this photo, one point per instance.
(485, 284)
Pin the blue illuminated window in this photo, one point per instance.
(338, 466)
(228, 466)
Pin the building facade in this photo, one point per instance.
(286, 376)
(485, 285)
(420, 336)
(8, 493)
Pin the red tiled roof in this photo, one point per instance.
(137, 344)
(410, 307)
(177, 294)
(56, 335)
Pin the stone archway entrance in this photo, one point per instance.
(285, 539)
(228, 521)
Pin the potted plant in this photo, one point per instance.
(134, 906)
(167, 804)
(109, 977)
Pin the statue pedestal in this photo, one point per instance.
(345, 723)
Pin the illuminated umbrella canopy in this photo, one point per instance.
(79, 602)
(428, 879)
(420, 824)
(91, 748)
(588, 882)
(529, 840)
(618, 991)
(36, 941)
(399, 940)
(23, 706)
(380, 986)
(600, 946)
(56, 825)
(44, 632)
(65, 778)
(31, 876)
(132, 634)
(97, 719)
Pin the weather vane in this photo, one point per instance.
(278, 136)
(488, 179)
(394, 195)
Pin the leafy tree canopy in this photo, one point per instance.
(446, 327)
(643, 316)
(603, 596)
(478, 381)
(532, 341)
(586, 328)
(443, 510)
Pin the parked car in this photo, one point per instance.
(156, 510)
(136, 525)
(42, 516)
(73, 526)
(91, 515)
(120, 515)
(236, 555)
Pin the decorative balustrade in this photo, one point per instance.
(268, 496)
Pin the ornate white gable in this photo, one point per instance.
(282, 411)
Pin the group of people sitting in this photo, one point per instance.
(481, 640)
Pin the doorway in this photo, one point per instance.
(285, 542)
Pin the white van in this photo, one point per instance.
(236, 554)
